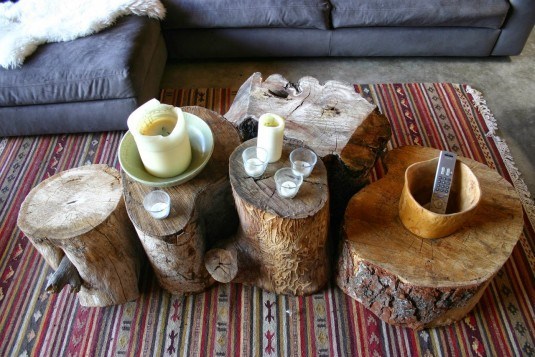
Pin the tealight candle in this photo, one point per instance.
(254, 161)
(270, 135)
(287, 183)
(158, 204)
(303, 161)
(161, 138)
(254, 167)
(288, 189)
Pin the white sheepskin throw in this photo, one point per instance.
(26, 24)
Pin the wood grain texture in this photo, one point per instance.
(325, 117)
(79, 215)
(415, 282)
(281, 244)
(202, 212)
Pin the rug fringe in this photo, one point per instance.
(519, 184)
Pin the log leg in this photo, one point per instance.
(283, 255)
(77, 220)
(178, 259)
(108, 259)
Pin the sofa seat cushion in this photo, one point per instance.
(112, 64)
(183, 14)
(465, 13)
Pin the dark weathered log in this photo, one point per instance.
(281, 244)
(202, 213)
(66, 274)
(415, 282)
(77, 220)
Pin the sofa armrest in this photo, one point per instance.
(516, 29)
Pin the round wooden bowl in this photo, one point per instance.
(464, 197)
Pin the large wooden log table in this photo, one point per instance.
(410, 281)
(346, 131)
(77, 220)
(281, 244)
(202, 213)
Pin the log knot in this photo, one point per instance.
(248, 128)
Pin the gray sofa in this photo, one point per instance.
(89, 84)
(94, 83)
(250, 28)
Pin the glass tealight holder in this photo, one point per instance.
(255, 161)
(157, 203)
(287, 182)
(303, 161)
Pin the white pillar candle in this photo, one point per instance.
(270, 135)
(161, 138)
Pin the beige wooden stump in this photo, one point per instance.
(77, 220)
(411, 281)
(281, 244)
(202, 213)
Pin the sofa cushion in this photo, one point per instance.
(246, 13)
(466, 13)
(112, 64)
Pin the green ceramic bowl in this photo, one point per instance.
(202, 145)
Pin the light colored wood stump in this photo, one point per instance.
(202, 213)
(281, 244)
(410, 281)
(346, 131)
(77, 220)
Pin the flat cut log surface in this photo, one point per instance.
(261, 192)
(281, 244)
(415, 282)
(202, 212)
(78, 217)
(324, 117)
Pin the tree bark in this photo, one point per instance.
(281, 244)
(77, 220)
(415, 282)
(202, 213)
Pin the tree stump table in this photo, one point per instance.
(410, 281)
(281, 244)
(346, 131)
(202, 212)
(77, 220)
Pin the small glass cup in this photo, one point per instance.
(303, 161)
(287, 182)
(157, 203)
(255, 161)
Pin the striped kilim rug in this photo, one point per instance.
(232, 319)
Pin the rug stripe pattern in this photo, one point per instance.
(235, 320)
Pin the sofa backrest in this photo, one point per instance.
(183, 14)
